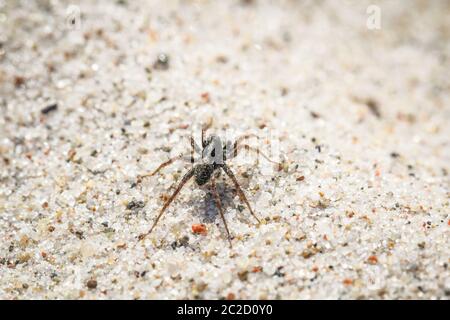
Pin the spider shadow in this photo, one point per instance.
(207, 209)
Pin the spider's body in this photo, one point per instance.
(213, 157)
(203, 172)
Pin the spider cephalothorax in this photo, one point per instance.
(213, 156)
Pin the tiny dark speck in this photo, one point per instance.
(284, 91)
(50, 108)
(373, 107)
(79, 234)
(395, 155)
(278, 272)
(314, 115)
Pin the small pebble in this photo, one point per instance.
(199, 229)
(372, 260)
(91, 284)
(50, 108)
(135, 204)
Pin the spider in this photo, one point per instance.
(213, 154)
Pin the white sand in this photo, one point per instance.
(370, 219)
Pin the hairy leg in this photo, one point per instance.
(185, 179)
(244, 137)
(195, 148)
(204, 129)
(162, 165)
(192, 149)
(219, 207)
(204, 137)
(239, 190)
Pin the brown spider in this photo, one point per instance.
(213, 156)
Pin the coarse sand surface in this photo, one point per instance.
(350, 97)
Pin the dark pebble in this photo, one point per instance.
(182, 242)
(373, 107)
(19, 81)
(134, 204)
(162, 62)
(92, 284)
(79, 234)
(50, 108)
(243, 275)
(314, 115)
(278, 273)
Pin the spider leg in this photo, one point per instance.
(219, 207)
(240, 139)
(194, 147)
(204, 129)
(162, 165)
(239, 190)
(204, 137)
(185, 179)
(245, 137)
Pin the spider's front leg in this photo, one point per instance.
(190, 159)
(161, 166)
(195, 148)
(185, 179)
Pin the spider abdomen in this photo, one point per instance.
(203, 173)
